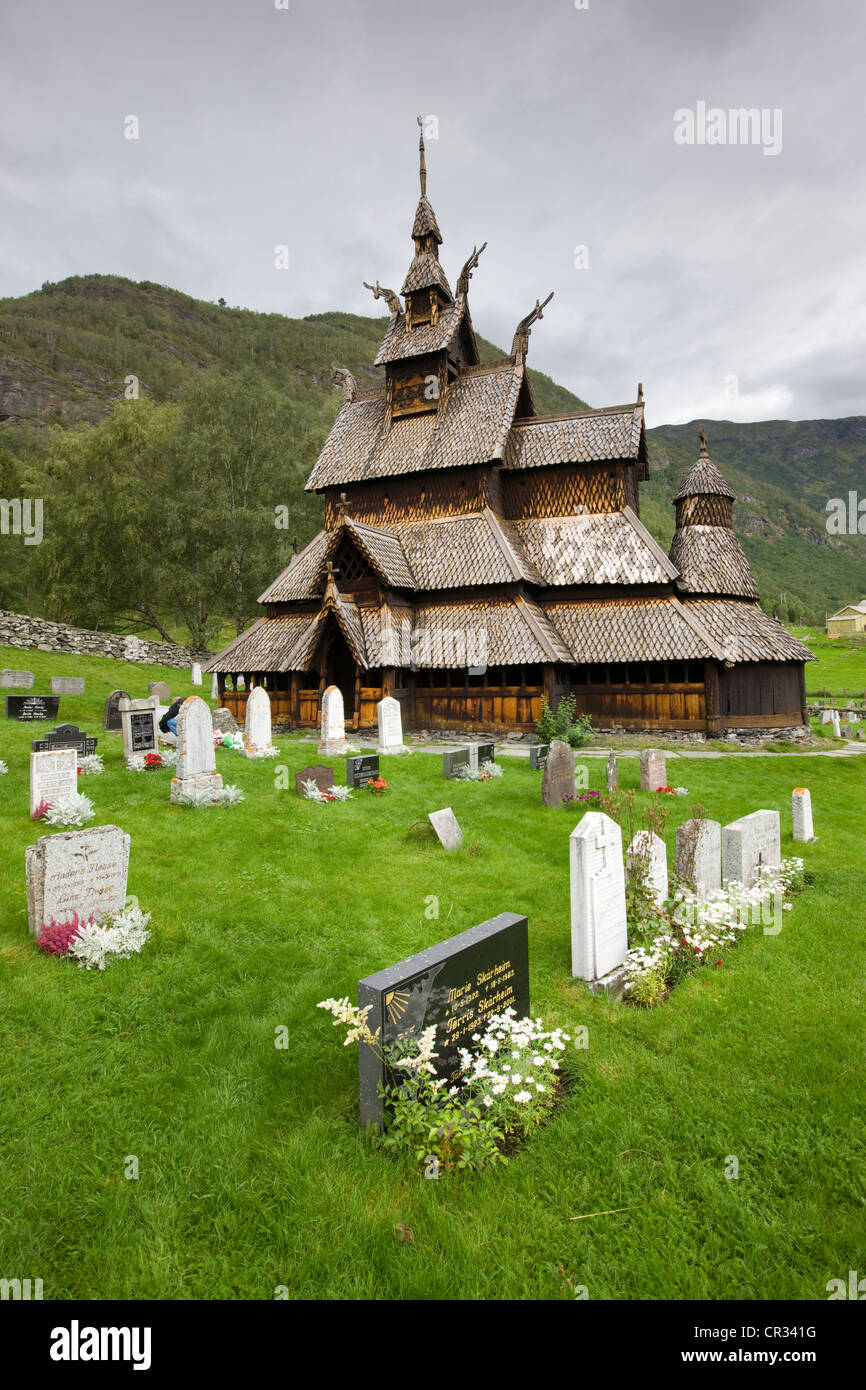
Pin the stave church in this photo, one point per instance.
(477, 557)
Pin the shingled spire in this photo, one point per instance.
(426, 286)
(704, 549)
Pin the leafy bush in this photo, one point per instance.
(563, 724)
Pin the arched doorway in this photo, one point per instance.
(340, 668)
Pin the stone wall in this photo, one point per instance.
(19, 631)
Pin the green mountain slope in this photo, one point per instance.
(67, 352)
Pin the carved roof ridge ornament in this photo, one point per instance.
(390, 298)
(521, 333)
(466, 273)
(340, 376)
(702, 435)
(332, 598)
(422, 162)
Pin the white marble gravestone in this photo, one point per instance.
(653, 770)
(333, 737)
(138, 720)
(599, 937)
(52, 775)
(196, 759)
(837, 730)
(81, 871)
(257, 724)
(67, 685)
(651, 848)
(444, 822)
(195, 673)
(801, 812)
(748, 844)
(215, 686)
(390, 726)
(22, 680)
(699, 855)
(826, 716)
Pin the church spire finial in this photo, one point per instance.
(422, 159)
(703, 439)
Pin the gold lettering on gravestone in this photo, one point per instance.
(471, 1005)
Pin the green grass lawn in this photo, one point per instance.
(252, 1170)
(841, 664)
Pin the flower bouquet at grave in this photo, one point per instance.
(92, 942)
(70, 810)
(90, 765)
(152, 762)
(484, 773)
(229, 740)
(377, 785)
(200, 798)
(3, 768)
(314, 793)
(673, 791)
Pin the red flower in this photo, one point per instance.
(78, 770)
(718, 962)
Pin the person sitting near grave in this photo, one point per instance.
(168, 722)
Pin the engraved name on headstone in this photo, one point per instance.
(52, 775)
(83, 871)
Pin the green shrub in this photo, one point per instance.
(563, 724)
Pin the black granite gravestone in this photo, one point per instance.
(111, 714)
(65, 736)
(453, 760)
(457, 985)
(141, 731)
(538, 755)
(485, 752)
(30, 708)
(360, 771)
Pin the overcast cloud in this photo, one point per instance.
(729, 281)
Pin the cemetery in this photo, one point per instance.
(674, 963)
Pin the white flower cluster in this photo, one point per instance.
(423, 1058)
(74, 809)
(201, 797)
(525, 1059)
(169, 757)
(122, 935)
(704, 926)
(90, 764)
(312, 792)
(355, 1018)
(479, 774)
(3, 768)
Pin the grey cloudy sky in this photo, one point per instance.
(731, 282)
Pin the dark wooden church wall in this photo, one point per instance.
(761, 694)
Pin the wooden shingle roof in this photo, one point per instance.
(711, 560)
(703, 480)
(638, 629)
(424, 272)
(744, 632)
(599, 548)
(425, 223)
(593, 436)
(401, 342)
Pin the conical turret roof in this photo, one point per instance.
(704, 549)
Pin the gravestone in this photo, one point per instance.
(31, 709)
(333, 734)
(452, 761)
(390, 721)
(861, 732)
(538, 755)
(360, 771)
(456, 986)
(132, 649)
(67, 685)
(699, 855)
(23, 680)
(559, 778)
(52, 775)
(801, 812)
(837, 732)
(599, 937)
(111, 713)
(448, 832)
(195, 674)
(322, 776)
(161, 691)
(611, 773)
(748, 844)
(224, 722)
(81, 871)
(66, 736)
(650, 849)
(215, 687)
(826, 716)
(653, 771)
(138, 725)
(481, 753)
(257, 724)
(196, 760)
(847, 730)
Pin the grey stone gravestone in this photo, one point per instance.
(448, 832)
(453, 759)
(559, 779)
(837, 731)
(224, 722)
(699, 855)
(161, 691)
(22, 680)
(801, 813)
(650, 849)
(138, 725)
(599, 936)
(52, 775)
(390, 725)
(538, 755)
(195, 674)
(83, 871)
(333, 732)
(67, 685)
(457, 986)
(748, 844)
(611, 773)
(65, 736)
(361, 770)
(257, 724)
(321, 775)
(111, 713)
(196, 760)
(32, 709)
(653, 770)
(215, 687)
(826, 716)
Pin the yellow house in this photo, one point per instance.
(848, 621)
